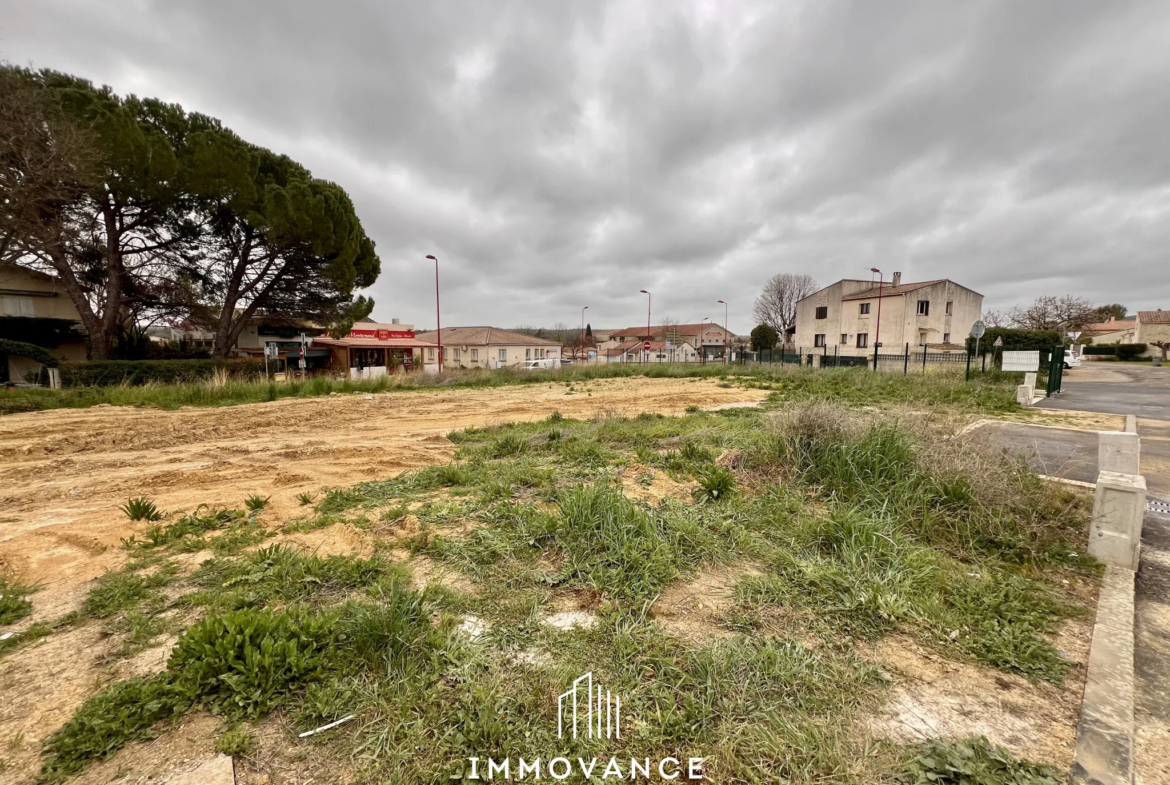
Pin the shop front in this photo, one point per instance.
(373, 350)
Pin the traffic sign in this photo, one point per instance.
(646, 346)
(998, 342)
(978, 329)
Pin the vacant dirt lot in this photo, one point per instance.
(64, 473)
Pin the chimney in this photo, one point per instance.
(897, 280)
(394, 321)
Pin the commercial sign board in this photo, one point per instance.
(381, 335)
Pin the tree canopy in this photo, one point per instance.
(776, 305)
(764, 338)
(170, 216)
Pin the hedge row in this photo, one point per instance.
(1016, 340)
(1122, 351)
(24, 349)
(108, 373)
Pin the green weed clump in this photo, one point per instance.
(716, 483)
(244, 663)
(194, 524)
(973, 761)
(141, 508)
(118, 592)
(255, 503)
(14, 604)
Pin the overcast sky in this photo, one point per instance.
(560, 154)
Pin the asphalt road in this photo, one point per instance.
(1115, 388)
(1143, 391)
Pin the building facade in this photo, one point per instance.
(660, 351)
(843, 318)
(490, 347)
(34, 308)
(1153, 327)
(1112, 331)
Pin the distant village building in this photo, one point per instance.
(843, 317)
(1151, 327)
(660, 351)
(490, 347)
(706, 339)
(1112, 331)
(35, 308)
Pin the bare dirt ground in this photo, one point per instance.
(65, 472)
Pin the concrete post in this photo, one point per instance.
(1030, 379)
(1119, 505)
(816, 360)
(54, 378)
(1024, 395)
(1119, 452)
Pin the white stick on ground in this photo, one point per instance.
(327, 727)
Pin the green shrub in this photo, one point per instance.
(1017, 340)
(246, 662)
(105, 373)
(1129, 351)
(974, 761)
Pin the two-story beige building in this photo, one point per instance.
(490, 347)
(34, 308)
(1153, 327)
(843, 317)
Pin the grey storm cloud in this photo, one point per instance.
(560, 154)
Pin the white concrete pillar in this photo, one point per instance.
(1119, 505)
(1030, 379)
(1119, 452)
(1024, 395)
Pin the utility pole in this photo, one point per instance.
(581, 341)
(726, 340)
(648, 337)
(438, 324)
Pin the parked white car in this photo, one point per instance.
(1071, 359)
(540, 365)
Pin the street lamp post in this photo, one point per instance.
(877, 333)
(581, 341)
(702, 332)
(438, 324)
(648, 337)
(725, 340)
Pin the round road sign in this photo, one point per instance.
(978, 329)
(646, 346)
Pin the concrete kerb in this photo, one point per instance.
(1104, 750)
(1105, 733)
